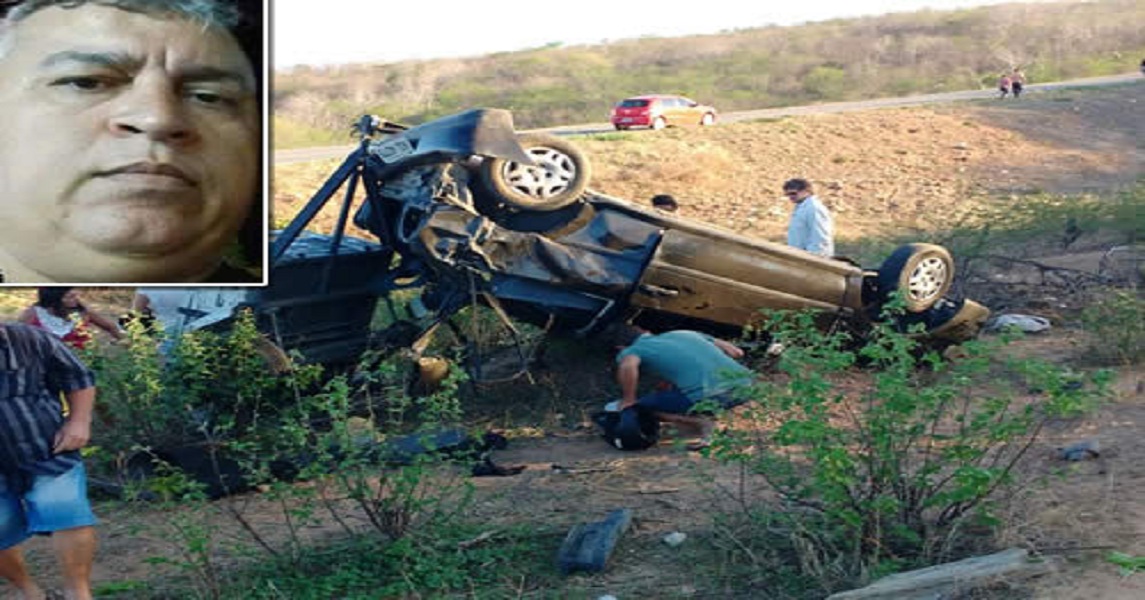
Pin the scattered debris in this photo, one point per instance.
(1083, 450)
(589, 545)
(1026, 323)
(675, 538)
(952, 580)
(487, 468)
(580, 470)
(644, 489)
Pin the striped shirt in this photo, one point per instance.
(35, 368)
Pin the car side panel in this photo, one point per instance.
(726, 278)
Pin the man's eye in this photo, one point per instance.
(210, 97)
(207, 97)
(85, 84)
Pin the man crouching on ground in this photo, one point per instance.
(699, 367)
(43, 485)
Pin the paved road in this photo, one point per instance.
(324, 152)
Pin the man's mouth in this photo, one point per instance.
(161, 173)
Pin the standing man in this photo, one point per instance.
(1017, 82)
(811, 227)
(698, 366)
(43, 485)
(130, 141)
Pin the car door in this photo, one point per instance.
(722, 277)
(687, 113)
(673, 110)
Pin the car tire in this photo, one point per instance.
(559, 178)
(707, 119)
(659, 123)
(621, 127)
(924, 273)
(553, 223)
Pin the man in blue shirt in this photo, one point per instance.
(698, 366)
(43, 486)
(811, 227)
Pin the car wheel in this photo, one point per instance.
(707, 119)
(659, 123)
(557, 180)
(923, 272)
(621, 127)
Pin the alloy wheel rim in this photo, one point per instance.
(553, 174)
(927, 279)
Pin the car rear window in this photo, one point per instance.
(633, 103)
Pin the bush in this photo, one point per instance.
(887, 468)
(202, 386)
(1116, 324)
(271, 431)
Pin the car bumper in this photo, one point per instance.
(632, 121)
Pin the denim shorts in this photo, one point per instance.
(31, 504)
(673, 401)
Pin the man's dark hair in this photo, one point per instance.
(665, 202)
(620, 335)
(797, 185)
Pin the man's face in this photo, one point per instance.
(796, 196)
(128, 146)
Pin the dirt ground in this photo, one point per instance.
(903, 169)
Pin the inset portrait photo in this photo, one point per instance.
(133, 142)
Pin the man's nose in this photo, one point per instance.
(153, 107)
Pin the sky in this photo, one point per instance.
(332, 32)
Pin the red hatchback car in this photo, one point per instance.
(658, 111)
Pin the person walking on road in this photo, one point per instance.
(1004, 83)
(43, 485)
(811, 227)
(1017, 82)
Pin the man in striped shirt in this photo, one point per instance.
(43, 485)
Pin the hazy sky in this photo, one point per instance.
(318, 32)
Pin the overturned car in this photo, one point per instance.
(464, 209)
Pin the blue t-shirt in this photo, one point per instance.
(689, 360)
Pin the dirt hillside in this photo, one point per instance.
(900, 169)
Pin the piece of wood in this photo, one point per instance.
(588, 546)
(942, 581)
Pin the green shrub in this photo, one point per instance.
(155, 392)
(825, 82)
(281, 428)
(1116, 324)
(888, 467)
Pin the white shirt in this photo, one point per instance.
(165, 304)
(811, 228)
